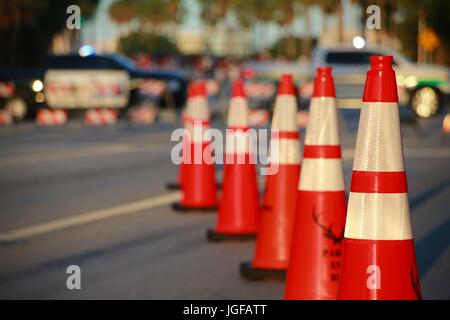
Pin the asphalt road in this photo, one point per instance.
(95, 197)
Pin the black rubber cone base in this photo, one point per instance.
(173, 186)
(182, 209)
(259, 274)
(215, 236)
(177, 186)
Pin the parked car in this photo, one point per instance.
(424, 88)
(77, 82)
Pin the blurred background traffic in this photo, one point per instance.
(91, 90)
(156, 47)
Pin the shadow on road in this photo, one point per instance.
(428, 194)
(432, 246)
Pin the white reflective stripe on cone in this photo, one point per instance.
(237, 113)
(284, 113)
(378, 144)
(237, 142)
(321, 175)
(378, 216)
(322, 123)
(288, 151)
(197, 134)
(197, 108)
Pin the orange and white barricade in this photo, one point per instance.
(5, 118)
(142, 115)
(100, 117)
(51, 117)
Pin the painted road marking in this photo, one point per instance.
(92, 151)
(88, 217)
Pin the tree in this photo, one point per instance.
(29, 26)
(251, 13)
(154, 13)
(139, 42)
(212, 11)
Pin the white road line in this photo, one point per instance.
(64, 155)
(88, 217)
(92, 151)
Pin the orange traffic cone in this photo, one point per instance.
(198, 172)
(319, 223)
(379, 259)
(192, 96)
(280, 198)
(238, 216)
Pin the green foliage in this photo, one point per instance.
(138, 42)
(288, 47)
(283, 12)
(155, 12)
(213, 11)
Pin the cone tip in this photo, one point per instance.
(381, 60)
(381, 84)
(323, 83)
(238, 89)
(197, 89)
(325, 70)
(286, 85)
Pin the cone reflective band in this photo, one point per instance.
(321, 206)
(238, 216)
(196, 104)
(197, 170)
(278, 208)
(378, 256)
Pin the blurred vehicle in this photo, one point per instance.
(261, 80)
(424, 88)
(76, 82)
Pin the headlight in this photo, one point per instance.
(37, 86)
(411, 81)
